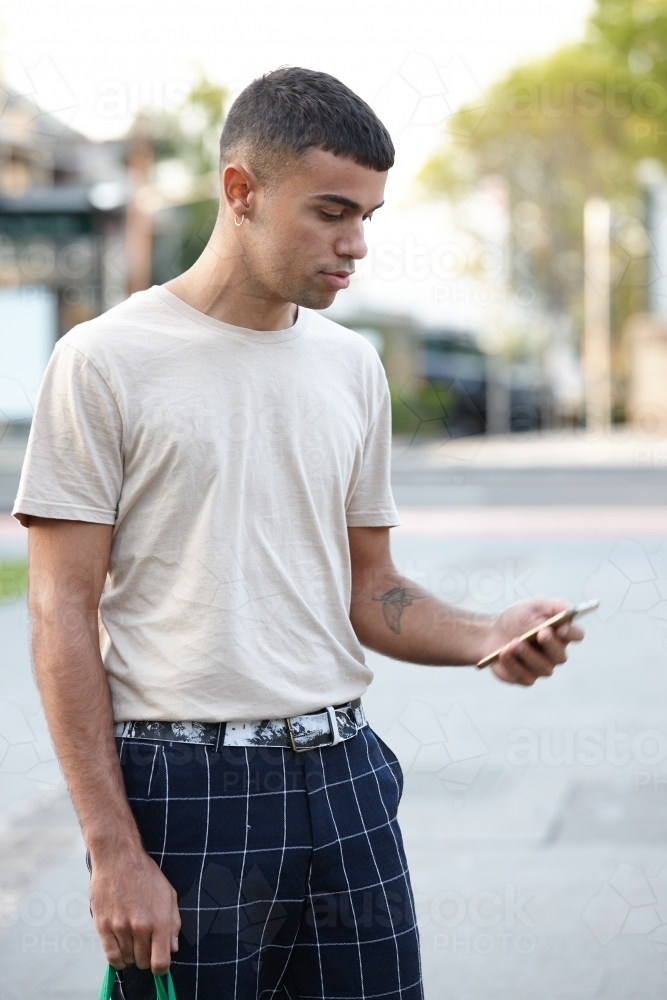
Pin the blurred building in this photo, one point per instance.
(62, 241)
(62, 212)
(646, 354)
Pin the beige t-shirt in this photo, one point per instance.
(231, 463)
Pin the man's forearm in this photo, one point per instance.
(134, 907)
(395, 616)
(77, 702)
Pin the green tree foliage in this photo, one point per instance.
(559, 130)
(635, 33)
(186, 140)
(192, 132)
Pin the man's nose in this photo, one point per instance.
(353, 244)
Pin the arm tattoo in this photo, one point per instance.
(394, 603)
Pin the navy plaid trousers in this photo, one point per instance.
(289, 869)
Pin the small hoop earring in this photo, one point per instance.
(238, 222)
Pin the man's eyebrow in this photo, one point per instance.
(339, 199)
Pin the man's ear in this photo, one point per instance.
(239, 188)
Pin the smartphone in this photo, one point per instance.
(562, 616)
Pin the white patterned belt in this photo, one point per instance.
(327, 727)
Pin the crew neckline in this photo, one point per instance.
(265, 337)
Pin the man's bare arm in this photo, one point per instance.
(134, 907)
(399, 618)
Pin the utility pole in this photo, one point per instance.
(597, 315)
(139, 223)
(498, 369)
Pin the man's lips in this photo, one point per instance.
(337, 279)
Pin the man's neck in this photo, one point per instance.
(218, 285)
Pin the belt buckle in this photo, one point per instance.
(333, 725)
(290, 733)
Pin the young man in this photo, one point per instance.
(209, 466)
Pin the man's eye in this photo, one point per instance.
(328, 215)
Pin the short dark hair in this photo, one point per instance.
(291, 110)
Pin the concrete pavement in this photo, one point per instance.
(48, 946)
(535, 819)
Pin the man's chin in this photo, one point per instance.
(315, 298)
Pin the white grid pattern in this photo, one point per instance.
(377, 869)
(354, 916)
(294, 947)
(412, 905)
(280, 871)
(245, 854)
(203, 859)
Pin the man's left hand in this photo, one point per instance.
(522, 662)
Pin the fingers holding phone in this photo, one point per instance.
(538, 650)
(553, 640)
(522, 662)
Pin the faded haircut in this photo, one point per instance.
(281, 115)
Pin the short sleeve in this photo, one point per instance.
(371, 504)
(73, 464)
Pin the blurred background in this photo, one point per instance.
(516, 291)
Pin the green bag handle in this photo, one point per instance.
(160, 992)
